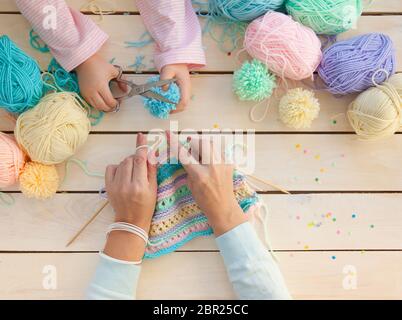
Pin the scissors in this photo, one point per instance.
(144, 90)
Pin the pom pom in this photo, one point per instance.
(298, 108)
(253, 81)
(39, 181)
(326, 17)
(376, 113)
(20, 78)
(348, 66)
(243, 10)
(53, 130)
(12, 160)
(158, 108)
(289, 49)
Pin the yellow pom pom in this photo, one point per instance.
(298, 108)
(39, 181)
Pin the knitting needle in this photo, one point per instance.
(87, 223)
(269, 184)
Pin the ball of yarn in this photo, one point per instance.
(243, 10)
(159, 108)
(326, 17)
(39, 181)
(53, 130)
(348, 66)
(253, 81)
(298, 108)
(12, 160)
(20, 78)
(288, 48)
(377, 112)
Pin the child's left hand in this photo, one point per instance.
(181, 73)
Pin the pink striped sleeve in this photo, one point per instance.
(175, 27)
(75, 37)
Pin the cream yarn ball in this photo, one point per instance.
(377, 112)
(52, 131)
(298, 108)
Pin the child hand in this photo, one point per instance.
(181, 73)
(94, 76)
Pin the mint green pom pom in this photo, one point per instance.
(253, 81)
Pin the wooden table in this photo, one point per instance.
(341, 226)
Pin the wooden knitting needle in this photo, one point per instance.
(88, 223)
(269, 184)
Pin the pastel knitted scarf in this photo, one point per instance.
(177, 218)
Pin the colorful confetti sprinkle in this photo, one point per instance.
(322, 170)
(306, 247)
(354, 215)
(298, 146)
(372, 226)
(338, 232)
(333, 257)
(317, 157)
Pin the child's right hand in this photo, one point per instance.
(94, 76)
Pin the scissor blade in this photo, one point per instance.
(157, 96)
(160, 83)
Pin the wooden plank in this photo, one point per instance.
(378, 6)
(299, 162)
(309, 275)
(119, 6)
(295, 222)
(214, 104)
(116, 26)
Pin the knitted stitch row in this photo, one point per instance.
(177, 218)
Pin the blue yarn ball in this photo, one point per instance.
(21, 85)
(158, 108)
(243, 10)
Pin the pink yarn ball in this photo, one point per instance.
(12, 160)
(289, 49)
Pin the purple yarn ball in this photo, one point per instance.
(348, 66)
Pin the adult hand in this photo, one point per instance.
(211, 185)
(181, 73)
(94, 76)
(131, 188)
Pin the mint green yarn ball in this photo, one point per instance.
(253, 81)
(324, 16)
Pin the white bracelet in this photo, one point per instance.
(131, 228)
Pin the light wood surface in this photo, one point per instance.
(377, 6)
(18, 28)
(344, 210)
(213, 96)
(309, 275)
(364, 222)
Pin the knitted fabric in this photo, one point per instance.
(177, 218)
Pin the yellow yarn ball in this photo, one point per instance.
(377, 112)
(298, 108)
(52, 131)
(39, 181)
